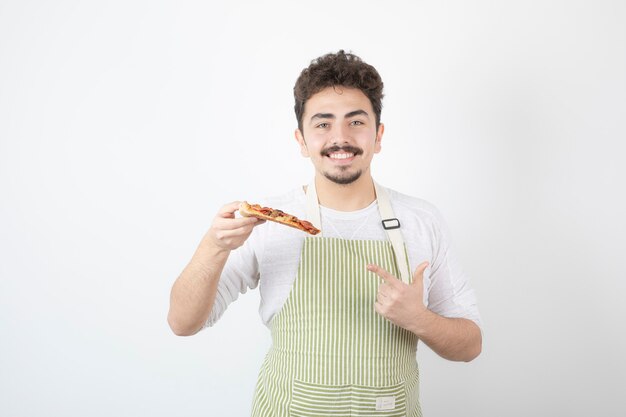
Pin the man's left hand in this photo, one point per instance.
(401, 303)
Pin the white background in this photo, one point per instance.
(125, 125)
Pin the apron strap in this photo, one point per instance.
(313, 207)
(390, 223)
(392, 226)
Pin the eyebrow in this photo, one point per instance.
(332, 116)
(356, 113)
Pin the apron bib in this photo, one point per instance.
(332, 354)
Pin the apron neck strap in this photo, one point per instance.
(313, 207)
(390, 223)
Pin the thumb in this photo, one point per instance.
(418, 275)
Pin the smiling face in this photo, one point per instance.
(339, 134)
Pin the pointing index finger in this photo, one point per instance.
(389, 279)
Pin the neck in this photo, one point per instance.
(348, 197)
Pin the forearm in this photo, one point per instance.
(193, 292)
(454, 339)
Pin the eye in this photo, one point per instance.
(323, 125)
(356, 123)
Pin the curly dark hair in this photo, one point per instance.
(338, 70)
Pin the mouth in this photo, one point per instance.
(345, 153)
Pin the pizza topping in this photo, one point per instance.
(278, 216)
(309, 227)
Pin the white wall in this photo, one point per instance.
(124, 126)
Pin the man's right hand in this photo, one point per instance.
(228, 232)
(193, 293)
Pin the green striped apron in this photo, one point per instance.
(332, 354)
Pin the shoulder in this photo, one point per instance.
(413, 207)
(421, 221)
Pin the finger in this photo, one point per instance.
(384, 290)
(418, 275)
(378, 307)
(230, 224)
(389, 279)
(380, 297)
(233, 234)
(228, 210)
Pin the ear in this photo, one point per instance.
(303, 148)
(379, 137)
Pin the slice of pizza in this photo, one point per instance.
(278, 216)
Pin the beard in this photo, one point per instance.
(344, 177)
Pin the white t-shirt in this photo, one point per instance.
(270, 257)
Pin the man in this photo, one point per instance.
(344, 310)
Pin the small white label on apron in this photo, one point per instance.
(385, 403)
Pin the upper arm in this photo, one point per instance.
(449, 291)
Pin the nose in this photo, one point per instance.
(339, 134)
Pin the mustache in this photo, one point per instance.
(347, 149)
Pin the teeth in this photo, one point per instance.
(341, 155)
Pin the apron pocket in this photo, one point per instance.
(310, 400)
